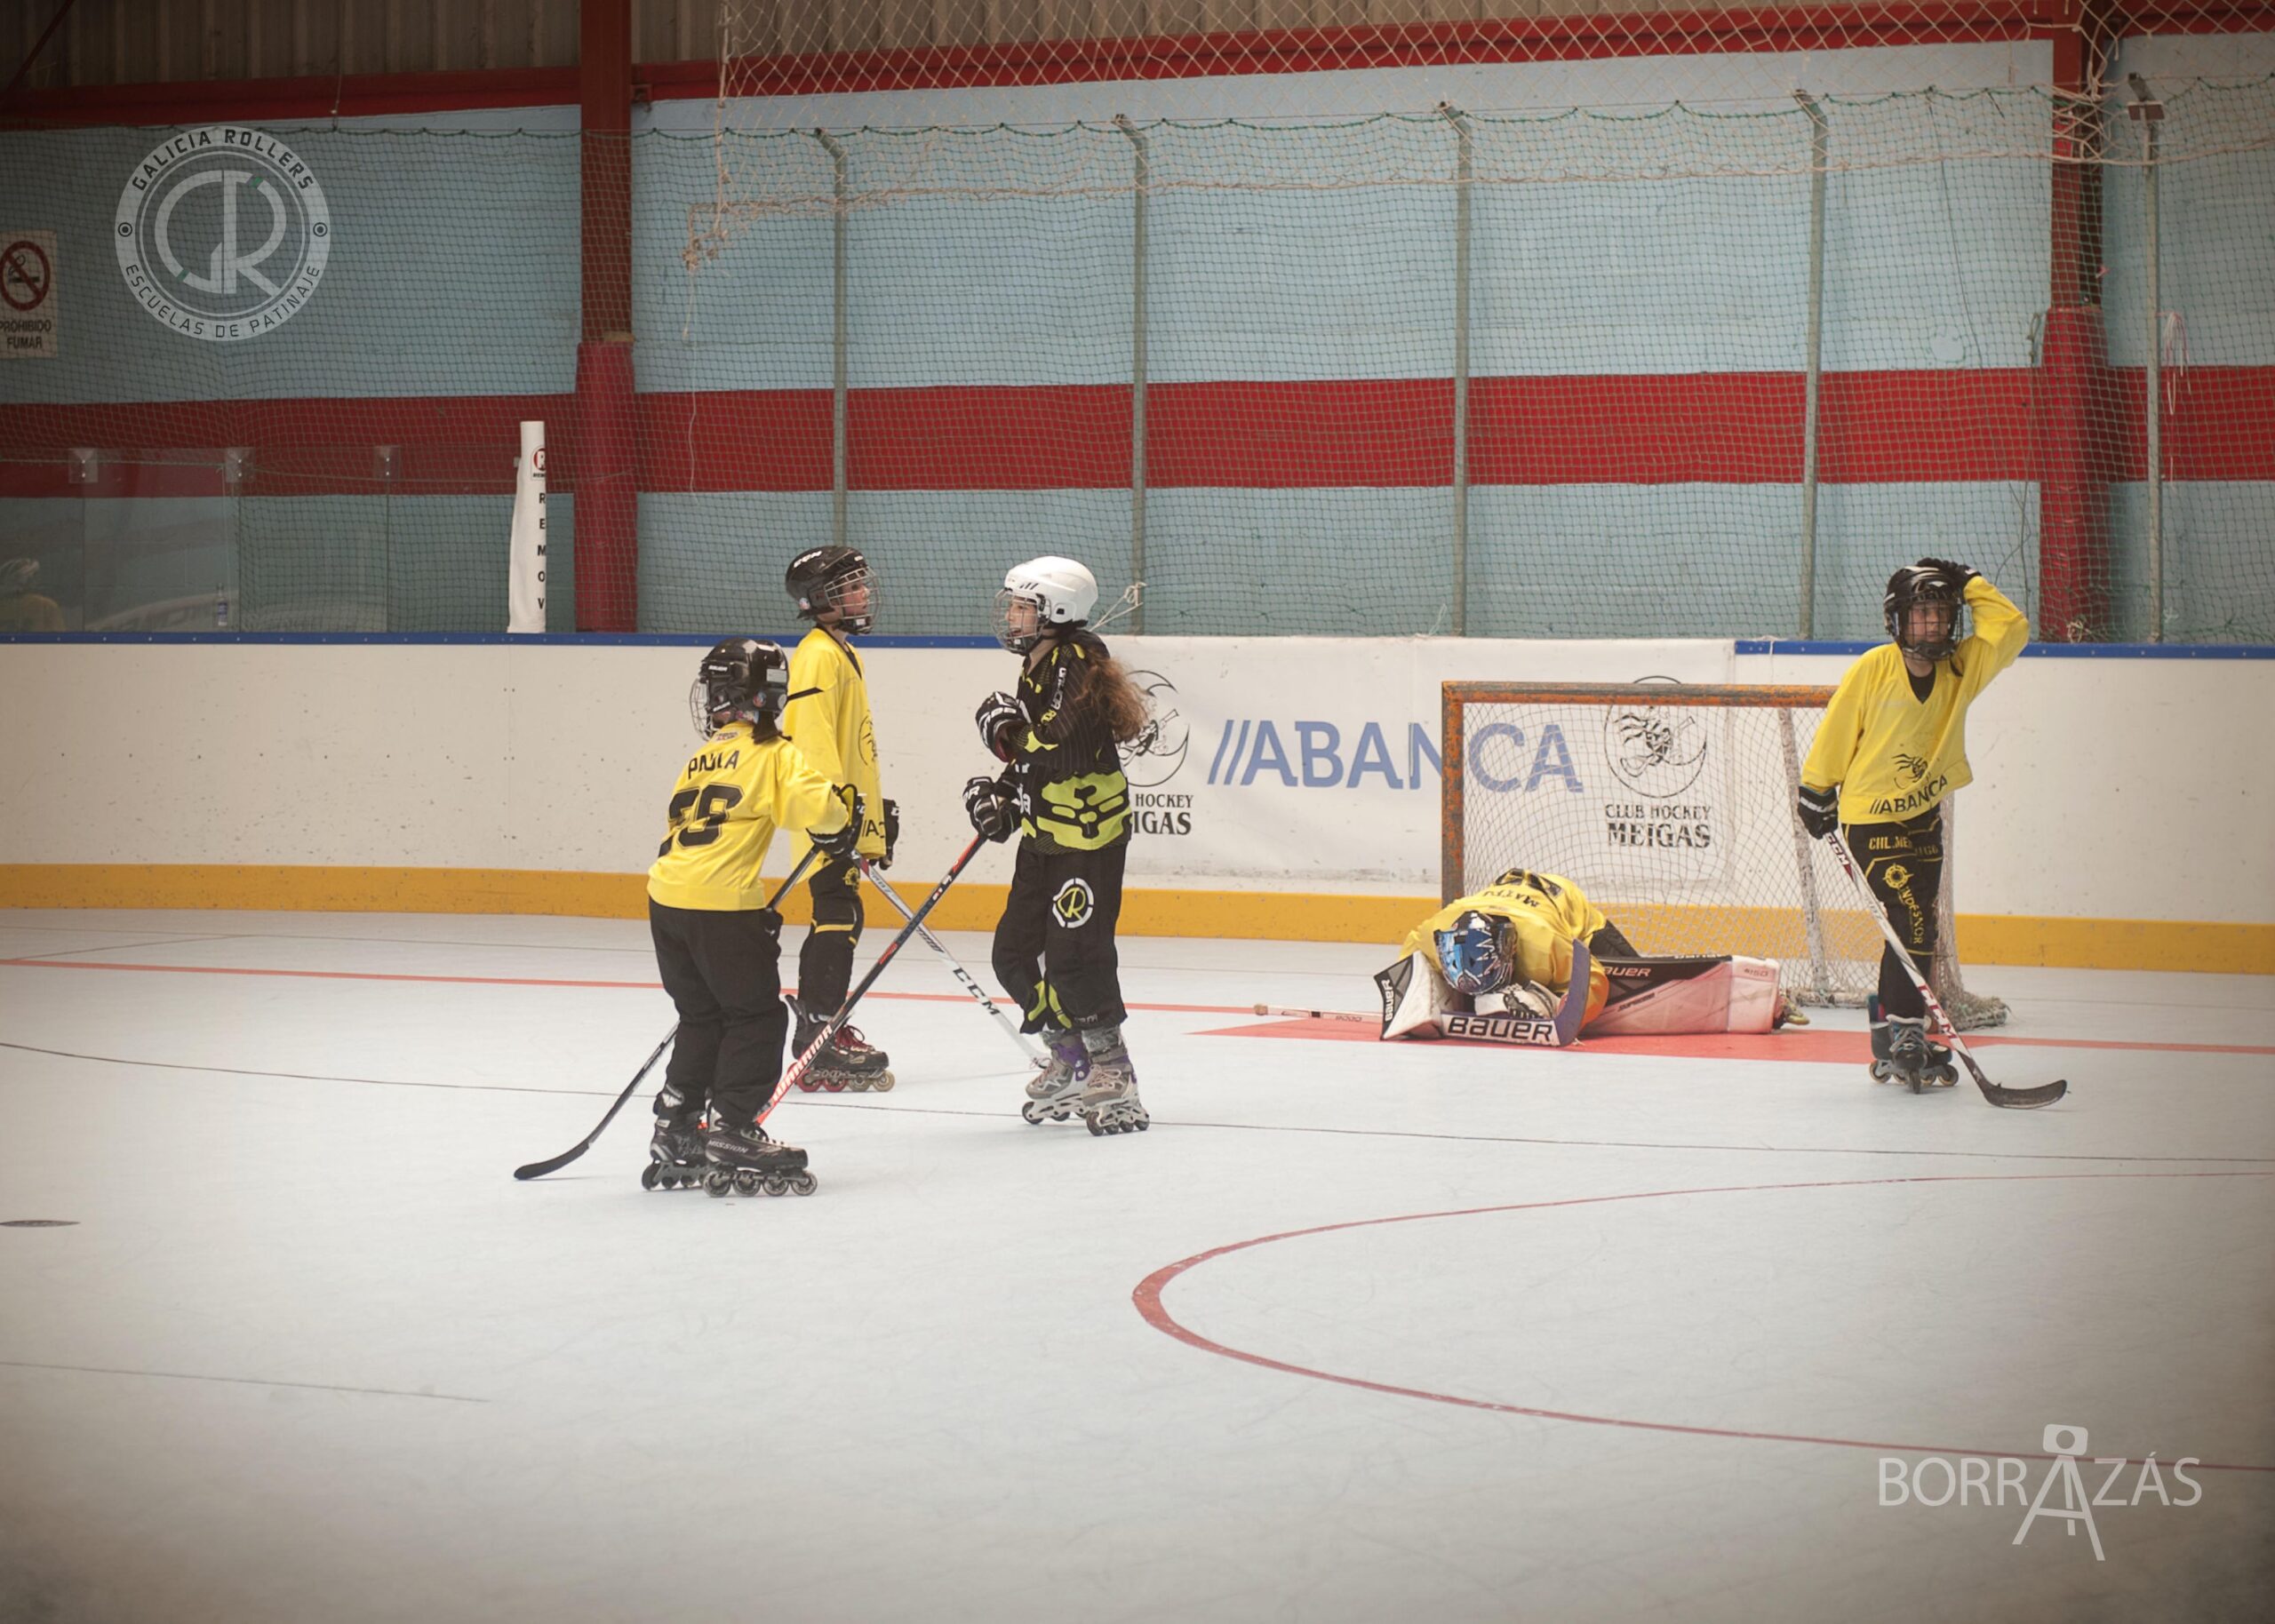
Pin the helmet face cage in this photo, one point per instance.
(827, 577)
(740, 679)
(1473, 954)
(1911, 587)
(1017, 640)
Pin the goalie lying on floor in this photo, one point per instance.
(1509, 951)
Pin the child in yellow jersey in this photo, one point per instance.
(1892, 745)
(1510, 949)
(717, 944)
(828, 719)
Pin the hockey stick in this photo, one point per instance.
(538, 1170)
(799, 1067)
(2012, 1099)
(1035, 1056)
(1317, 1014)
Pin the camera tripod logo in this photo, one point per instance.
(222, 233)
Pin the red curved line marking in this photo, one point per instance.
(1147, 1297)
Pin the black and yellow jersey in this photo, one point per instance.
(1894, 754)
(1549, 913)
(730, 798)
(832, 727)
(1066, 769)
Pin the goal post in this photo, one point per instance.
(1673, 807)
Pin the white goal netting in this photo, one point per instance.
(1672, 808)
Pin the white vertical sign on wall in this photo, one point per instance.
(525, 577)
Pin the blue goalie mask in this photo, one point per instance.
(1477, 953)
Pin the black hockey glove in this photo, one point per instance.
(1959, 574)
(988, 804)
(840, 843)
(1000, 721)
(1819, 810)
(892, 833)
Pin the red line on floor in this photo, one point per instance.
(1822, 1047)
(1147, 1297)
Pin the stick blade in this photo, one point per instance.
(2025, 1099)
(538, 1170)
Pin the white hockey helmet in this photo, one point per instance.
(1060, 592)
(18, 574)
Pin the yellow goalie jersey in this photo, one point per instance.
(1894, 754)
(1548, 911)
(730, 798)
(832, 727)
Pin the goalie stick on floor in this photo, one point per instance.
(2011, 1099)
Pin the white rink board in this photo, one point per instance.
(2105, 786)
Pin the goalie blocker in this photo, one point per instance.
(1648, 997)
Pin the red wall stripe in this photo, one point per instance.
(1764, 29)
(1710, 428)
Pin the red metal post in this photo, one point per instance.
(2077, 425)
(605, 467)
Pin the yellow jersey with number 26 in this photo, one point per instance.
(730, 798)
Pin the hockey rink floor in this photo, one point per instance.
(1355, 1332)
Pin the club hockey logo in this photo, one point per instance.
(1073, 904)
(1909, 768)
(1657, 751)
(1155, 755)
(222, 233)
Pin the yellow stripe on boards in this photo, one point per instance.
(1985, 939)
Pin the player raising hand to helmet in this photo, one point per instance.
(1063, 792)
(828, 718)
(1892, 745)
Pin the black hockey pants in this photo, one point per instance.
(1903, 865)
(1054, 946)
(825, 961)
(724, 973)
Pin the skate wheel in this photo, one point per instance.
(831, 1085)
(883, 1085)
(808, 1086)
(1032, 1113)
(716, 1184)
(651, 1177)
(1097, 1127)
(1919, 1083)
(803, 1184)
(775, 1186)
(745, 1184)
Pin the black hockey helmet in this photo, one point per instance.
(740, 679)
(824, 579)
(1925, 584)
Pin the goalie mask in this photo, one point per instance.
(740, 679)
(1477, 953)
(1040, 593)
(1923, 587)
(822, 579)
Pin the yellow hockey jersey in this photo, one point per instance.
(1896, 755)
(833, 729)
(1549, 912)
(730, 798)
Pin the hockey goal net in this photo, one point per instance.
(1672, 808)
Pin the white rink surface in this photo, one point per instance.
(308, 1352)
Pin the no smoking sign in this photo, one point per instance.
(27, 293)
